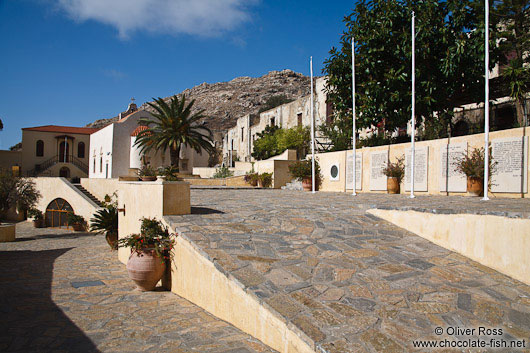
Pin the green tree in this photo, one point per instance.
(513, 18)
(449, 55)
(266, 145)
(173, 126)
(296, 138)
(16, 191)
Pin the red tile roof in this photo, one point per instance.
(139, 129)
(63, 129)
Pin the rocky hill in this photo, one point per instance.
(225, 102)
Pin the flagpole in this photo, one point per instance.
(354, 137)
(412, 138)
(312, 131)
(486, 102)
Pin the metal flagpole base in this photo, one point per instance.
(485, 198)
(412, 196)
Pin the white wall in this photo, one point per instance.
(101, 152)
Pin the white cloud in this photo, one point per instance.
(194, 17)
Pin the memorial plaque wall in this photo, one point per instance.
(378, 162)
(450, 179)
(358, 171)
(511, 157)
(421, 160)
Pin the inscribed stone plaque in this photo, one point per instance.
(421, 160)
(450, 179)
(358, 171)
(378, 162)
(511, 156)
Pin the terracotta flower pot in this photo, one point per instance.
(392, 185)
(253, 182)
(307, 184)
(260, 183)
(78, 227)
(145, 269)
(475, 186)
(38, 223)
(148, 178)
(112, 240)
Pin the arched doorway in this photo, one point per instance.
(57, 213)
(63, 157)
(64, 172)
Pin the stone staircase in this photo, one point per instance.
(293, 185)
(88, 194)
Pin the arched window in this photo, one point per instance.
(101, 164)
(40, 148)
(64, 172)
(81, 150)
(57, 213)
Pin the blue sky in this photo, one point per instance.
(70, 62)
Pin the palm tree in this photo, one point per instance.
(173, 126)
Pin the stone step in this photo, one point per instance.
(89, 195)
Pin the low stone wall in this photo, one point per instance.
(433, 181)
(501, 243)
(7, 232)
(100, 187)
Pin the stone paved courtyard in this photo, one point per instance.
(350, 281)
(41, 310)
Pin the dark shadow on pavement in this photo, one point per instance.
(204, 210)
(30, 320)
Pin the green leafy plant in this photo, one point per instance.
(170, 173)
(73, 219)
(16, 191)
(251, 178)
(273, 141)
(472, 164)
(395, 169)
(266, 179)
(105, 220)
(36, 214)
(147, 170)
(153, 236)
(223, 172)
(302, 169)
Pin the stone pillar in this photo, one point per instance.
(156, 199)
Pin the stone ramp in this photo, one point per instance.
(343, 280)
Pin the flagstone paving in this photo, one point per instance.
(62, 291)
(349, 280)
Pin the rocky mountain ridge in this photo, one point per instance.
(225, 102)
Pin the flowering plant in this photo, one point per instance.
(153, 236)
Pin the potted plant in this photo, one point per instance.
(252, 178)
(106, 220)
(38, 217)
(149, 252)
(77, 222)
(147, 173)
(472, 165)
(265, 180)
(169, 173)
(301, 170)
(394, 172)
